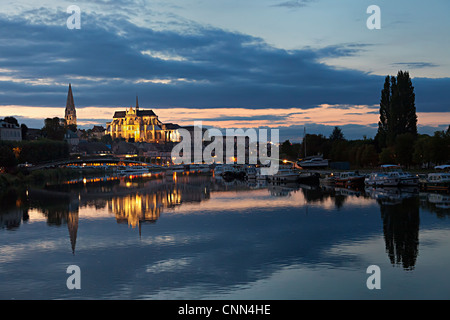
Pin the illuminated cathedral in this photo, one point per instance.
(141, 126)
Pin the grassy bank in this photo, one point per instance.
(40, 178)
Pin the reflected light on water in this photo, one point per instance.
(218, 239)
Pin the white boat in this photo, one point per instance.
(381, 179)
(130, 170)
(313, 162)
(284, 175)
(406, 179)
(372, 179)
(436, 182)
(392, 176)
(443, 167)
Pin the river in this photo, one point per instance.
(198, 237)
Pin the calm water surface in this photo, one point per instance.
(202, 238)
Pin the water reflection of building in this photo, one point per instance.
(135, 209)
(12, 217)
(59, 208)
(72, 225)
(146, 204)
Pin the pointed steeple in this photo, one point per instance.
(70, 104)
(137, 104)
(71, 114)
(72, 225)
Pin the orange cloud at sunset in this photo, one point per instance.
(331, 115)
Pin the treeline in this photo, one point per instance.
(425, 150)
(16, 152)
(396, 141)
(49, 147)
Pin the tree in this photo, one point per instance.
(404, 105)
(387, 156)
(369, 155)
(53, 129)
(315, 144)
(11, 120)
(403, 148)
(43, 150)
(397, 109)
(385, 104)
(340, 151)
(24, 129)
(106, 139)
(336, 134)
(7, 157)
(440, 147)
(285, 148)
(71, 127)
(422, 150)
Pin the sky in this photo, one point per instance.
(284, 64)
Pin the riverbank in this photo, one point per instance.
(13, 183)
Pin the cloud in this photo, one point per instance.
(111, 59)
(293, 4)
(415, 65)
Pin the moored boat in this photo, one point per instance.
(229, 172)
(328, 180)
(391, 176)
(350, 179)
(436, 182)
(313, 162)
(130, 170)
(308, 178)
(284, 175)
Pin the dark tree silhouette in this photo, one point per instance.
(397, 109)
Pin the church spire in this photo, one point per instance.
(70, 115)
(137, 103)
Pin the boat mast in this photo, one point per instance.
(304, 139)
